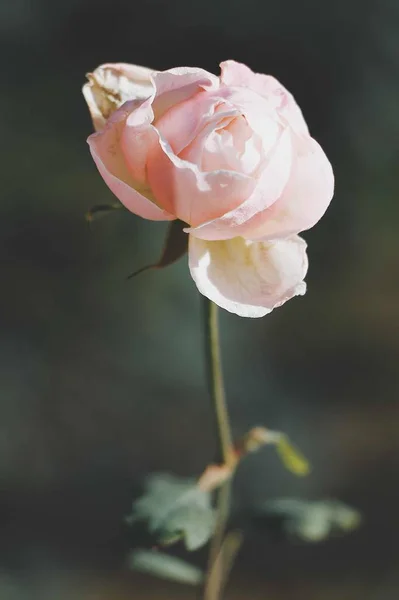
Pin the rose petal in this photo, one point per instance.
(210, 153)
(195, 113)
(268, 189)
(182, 125)
(107, 153)
(177, 85)
(260, 114)
(238, 74)
(137, 138)
(304, 200)
(196, 196)
(249, 278)
(110, 85)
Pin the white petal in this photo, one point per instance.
(249, 278)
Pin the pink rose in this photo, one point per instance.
(231, 156)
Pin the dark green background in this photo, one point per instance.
(102, 380)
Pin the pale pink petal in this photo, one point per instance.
(213, 149)
(137, 138)
(177, 85)
(107, 153)
(181, 124)
(226, 142)
(238, 74)
(269, 188)
(196, 196)
(260, 114)
(304, 200)
(112, 84)
(234, 146)
(249, 278)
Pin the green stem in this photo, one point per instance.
(215, 379)
(214, 575)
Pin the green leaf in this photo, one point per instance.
(291, 457)
(305, 520)
(101, 210)
(175, 247)
(164, 566)
(175, 509)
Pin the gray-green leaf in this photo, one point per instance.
(164, 566)
(309, 521)
(175, 509)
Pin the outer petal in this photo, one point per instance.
(110, 85)
(249, 278)
(268, 189)
(238, 74)
(304, 200)
(177, 85)
(137, 139)
(107, 153)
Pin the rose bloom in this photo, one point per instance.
(231, 156)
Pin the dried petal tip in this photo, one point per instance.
(111, 85)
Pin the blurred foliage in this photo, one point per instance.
(175, 509)
(291, 458)
(165, 566)
(305, 520)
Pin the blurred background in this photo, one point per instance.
(102, 380)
